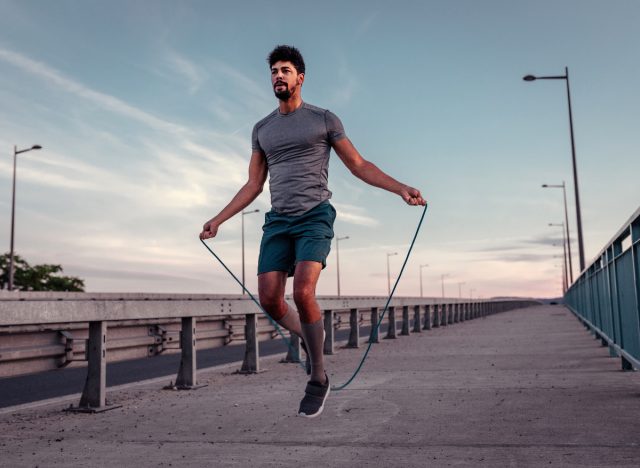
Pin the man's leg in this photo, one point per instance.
(271, 292)
(304, 294)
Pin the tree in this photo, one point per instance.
(38, 277)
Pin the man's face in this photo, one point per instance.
(285, 79)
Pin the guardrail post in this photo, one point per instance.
(186, 379)
(626, 365)
(251, 363)
(295, 350)
(405, 321)
(93, 399)
(436, 315)
(329, 341)
(456, 313)
(391, 330)
(450, 314)
(374, 336)
(354, 330)
(417, 323)
(443, 314)
(427, 317)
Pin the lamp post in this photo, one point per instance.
(442, 277)
(421, 267)
(564, 254)
(244, 213)
(16, 152)
(565, 77)
(566, 224)
(388, 271)
(471, 294)
(562, 273)
(460, 289)
(338, 239)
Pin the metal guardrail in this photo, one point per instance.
(40, 331)
(605, 297)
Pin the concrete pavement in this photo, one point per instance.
(528, 387)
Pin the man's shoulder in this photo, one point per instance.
(266, 119)
(314, 109)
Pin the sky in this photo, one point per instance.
(144, 110)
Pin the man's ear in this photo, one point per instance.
(301, 78)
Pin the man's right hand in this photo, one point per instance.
(209, 230)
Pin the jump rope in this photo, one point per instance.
(294, 352)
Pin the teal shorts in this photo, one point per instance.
(287, 240)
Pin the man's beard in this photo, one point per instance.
(283, 95)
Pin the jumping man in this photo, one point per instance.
(292, 144)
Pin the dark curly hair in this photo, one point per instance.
(287, 54)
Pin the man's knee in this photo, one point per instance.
(304, 296)
(274, 305)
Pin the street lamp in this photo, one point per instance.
(16, 152)
(573, 156)
(471, 290)
(421, 267)
(388, 272)
(564, 253)
(442, 278)
(338, 239)
(460, 289)
(566, 223)
(243, 215)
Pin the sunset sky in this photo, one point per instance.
(144, 110)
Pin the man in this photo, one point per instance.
(292, 144)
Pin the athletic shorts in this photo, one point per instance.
(287, 240)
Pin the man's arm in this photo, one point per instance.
(242, 199)
(371, 174)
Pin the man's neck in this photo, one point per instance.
(290, 105)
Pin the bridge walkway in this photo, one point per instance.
(528, 387)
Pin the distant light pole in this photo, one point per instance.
(442, 277)
(460, 289)
(563, 273)
(388, 271)
(564, 253)
(338, 239)
(565, 77)
(16, 152)
(566, 224)
(244, 213)
(421, 267)
(471, 290)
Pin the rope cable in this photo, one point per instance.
(294, 352)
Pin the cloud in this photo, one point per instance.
(106, 101)
(192, 73)
(354, 215)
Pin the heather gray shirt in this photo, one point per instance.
(297, 147)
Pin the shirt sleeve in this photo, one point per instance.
(255, 144)
(335, 130)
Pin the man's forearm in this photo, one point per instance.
(372, 175)
(239, 202)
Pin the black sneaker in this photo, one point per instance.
(314, 397)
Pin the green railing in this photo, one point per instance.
(605, 296)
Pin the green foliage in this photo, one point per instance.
(37, 277)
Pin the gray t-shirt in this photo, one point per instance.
(297, 147)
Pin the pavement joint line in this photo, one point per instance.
(377, 444)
